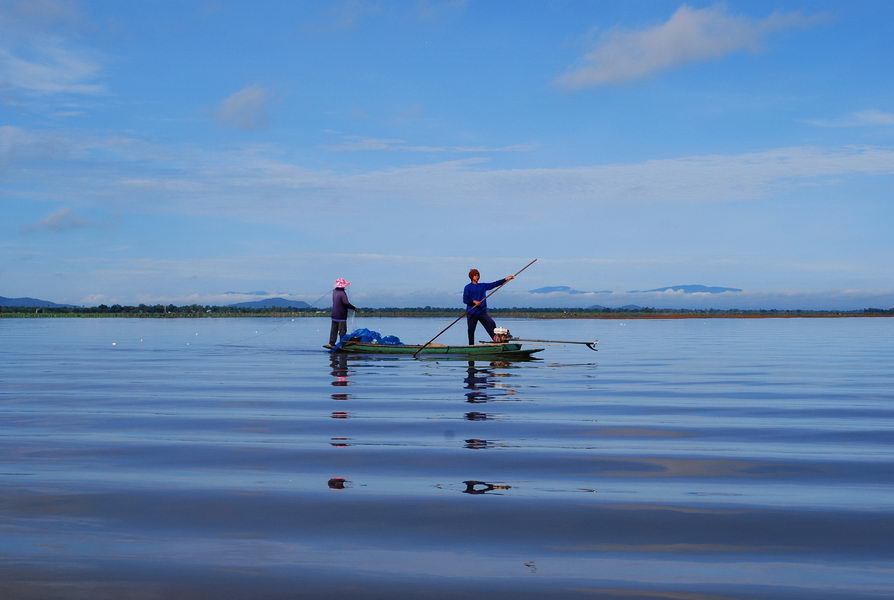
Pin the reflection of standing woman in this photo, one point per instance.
(340, 306)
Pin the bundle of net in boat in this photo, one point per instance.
(368, 336)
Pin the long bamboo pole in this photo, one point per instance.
(468, 309)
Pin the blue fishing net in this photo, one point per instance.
(368, 336)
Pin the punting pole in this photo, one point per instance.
(468, 309)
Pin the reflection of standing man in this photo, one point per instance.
(340, 306)
(474, 295)
(476, 384)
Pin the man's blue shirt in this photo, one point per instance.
(478, 291)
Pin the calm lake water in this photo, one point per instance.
(235, 458)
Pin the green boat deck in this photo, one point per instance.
(506, 350)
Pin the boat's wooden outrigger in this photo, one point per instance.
(590, 345)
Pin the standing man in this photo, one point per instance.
(473, 297)
(340, 306)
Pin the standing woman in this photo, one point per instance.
(473, 297)
(340, 306)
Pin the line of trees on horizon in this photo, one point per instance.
(198, 310)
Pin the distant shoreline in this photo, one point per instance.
(50, 313)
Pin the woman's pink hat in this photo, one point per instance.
(341, 283)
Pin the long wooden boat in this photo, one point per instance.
(506, 350)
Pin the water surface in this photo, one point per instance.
(720, 458)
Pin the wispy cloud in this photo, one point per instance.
(377, 298)
(19, 145)
(255, 182)
(690, 35)
(436, 9)
(341, 16)
(188, 280)
(344, 15)
(51, 67)
(685, 180)
(63, 219)
(564, 289)
(862, 118)
(245, 109)
(256, 185)
(256, 293)
(354, 143)
(37, 58)
(65, 114)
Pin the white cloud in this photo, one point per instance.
(97, 299)
(862, 118)
(690, 35)
(63, 219)
(245, 109)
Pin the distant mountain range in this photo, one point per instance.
(266, 303)
(284, 303)
(564, 289)
(625, 307)
(31, 303)
(271, 303)
(689, 289)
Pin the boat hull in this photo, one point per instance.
(483, 350)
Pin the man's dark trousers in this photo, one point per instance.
(484, 319)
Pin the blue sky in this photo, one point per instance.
(176, 151)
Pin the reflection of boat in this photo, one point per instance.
(505, 350)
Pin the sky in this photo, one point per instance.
(218, 151)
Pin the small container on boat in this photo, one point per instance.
(501, 335)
